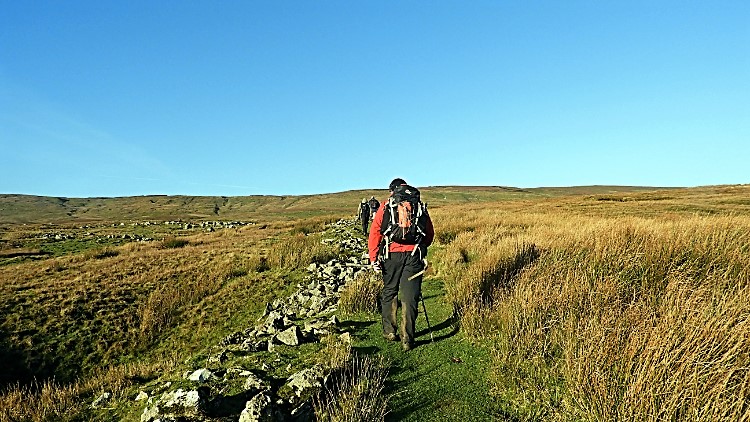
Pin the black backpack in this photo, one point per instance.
(404, 217)
(364, 210)
(374, 205)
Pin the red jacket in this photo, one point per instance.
(375, 236)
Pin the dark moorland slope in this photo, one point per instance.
(44, 209)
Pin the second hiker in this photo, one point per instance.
(374, 205)
(364, 215)
(400, 234)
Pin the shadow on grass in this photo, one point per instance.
(370, 350)
(449, 322)
(20, 371)
(355, 325)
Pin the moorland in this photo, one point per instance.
(582, 303)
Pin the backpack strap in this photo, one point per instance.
(391, 216)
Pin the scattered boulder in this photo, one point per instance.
(305, 380)
(258, 409)
(291, 336)
(102, 400)
(202, 375)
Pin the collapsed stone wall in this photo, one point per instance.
(303, 317)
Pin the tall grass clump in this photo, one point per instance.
(479, 265)
(298, 251)
(312, 225)
(172, 242)
(355, 392)
(624, 318)
(53, 401)
(361, 294)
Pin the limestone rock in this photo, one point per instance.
(258, 409)
(291, 336)
(102, 400)
(202, 375)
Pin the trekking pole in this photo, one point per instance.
(429, 327)
(424, 270)
(421, 298)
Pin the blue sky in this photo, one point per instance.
(107, 98)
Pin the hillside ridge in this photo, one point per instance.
(35, 209)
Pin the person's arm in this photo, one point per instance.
(429, 232)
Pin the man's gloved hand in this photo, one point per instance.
(376, 267)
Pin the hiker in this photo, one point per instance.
(400, 234)
(364, 215)
(374, 205)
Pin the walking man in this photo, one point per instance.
(400, 234)
(374, 205)
(364, 215)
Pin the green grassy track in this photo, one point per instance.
(442, 380)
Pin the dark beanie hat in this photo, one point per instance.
(396, 182)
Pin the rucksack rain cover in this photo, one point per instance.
(404, 216)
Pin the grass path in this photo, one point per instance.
(442, 380)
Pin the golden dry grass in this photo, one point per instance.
(149, 303)
(634, 309)
(595, 307)
(361, 294)
(52, 401)
(68, 314)
(355, 393)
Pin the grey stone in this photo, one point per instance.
(182, 399)
(291, 336)
(253, 382)
(102, 400)
(258, 409)
(202, 375)
(150, 413)
(306, 379)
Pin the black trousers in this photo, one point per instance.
(396, 272)
(365, 222)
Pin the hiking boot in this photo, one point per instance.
(407, 345)
(391, 337)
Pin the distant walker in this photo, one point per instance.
(374, 205)
(364, 215)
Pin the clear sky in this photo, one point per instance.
(120, 98)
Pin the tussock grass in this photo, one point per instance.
(336, 353)
(355, 392)
(312, 224)
(100, 253)
(98, 310)
(299, 250)
(606, 318)
(172, 242)
(361, 294)
(53, 401)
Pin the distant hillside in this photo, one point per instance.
(16, 209)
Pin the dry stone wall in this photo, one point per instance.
(303, 317)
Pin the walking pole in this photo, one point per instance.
(429, 327)
(421, 298)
